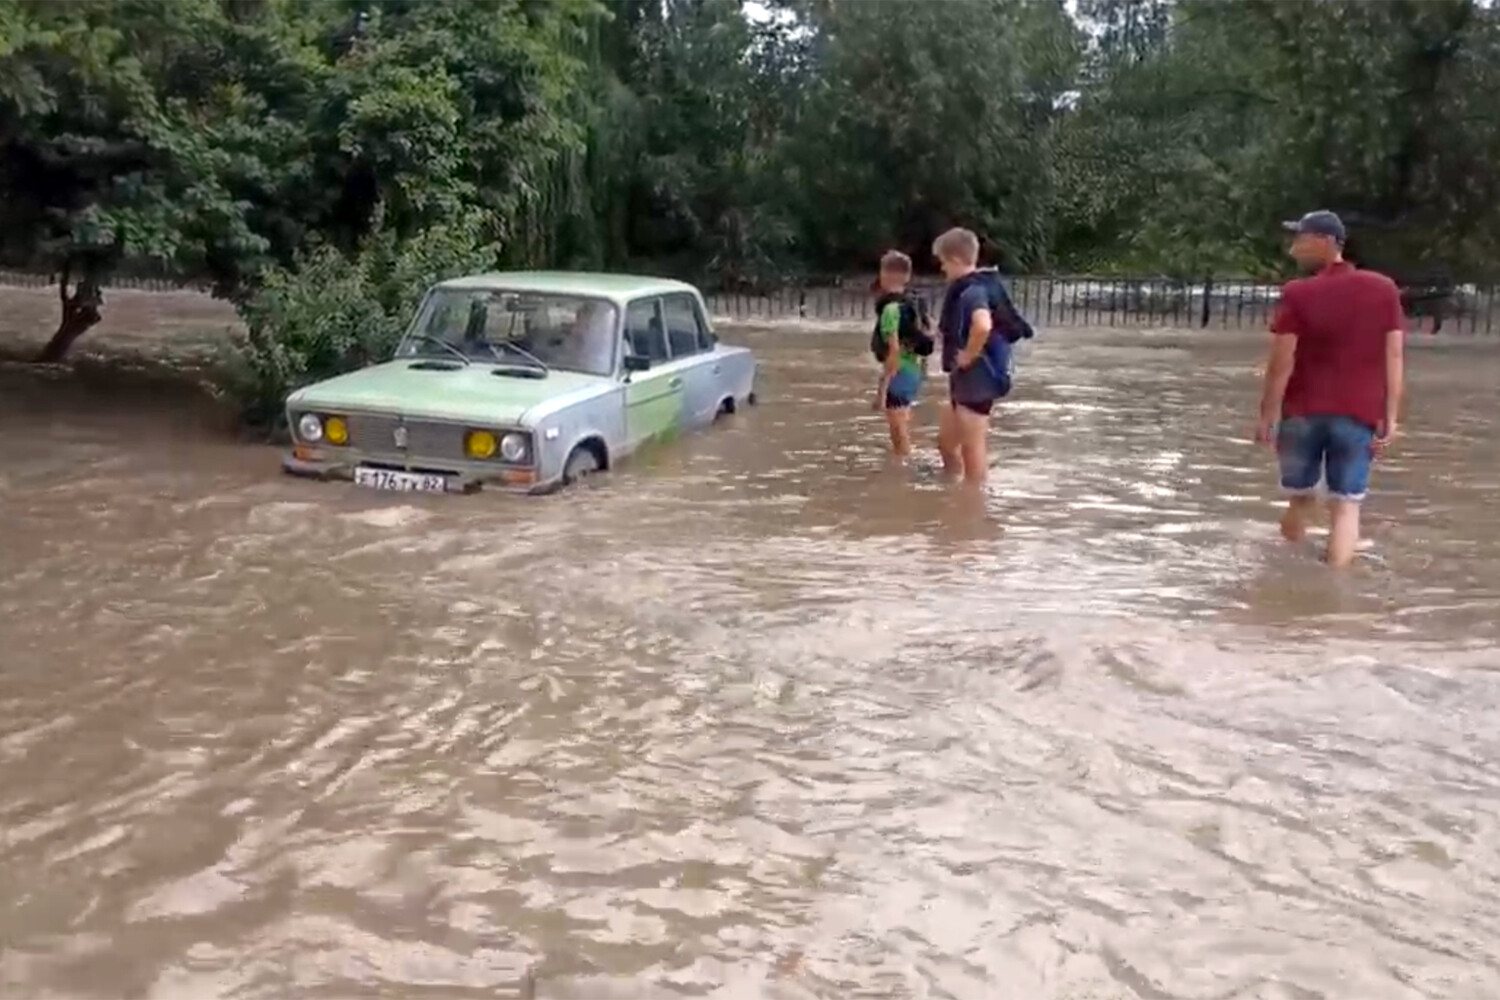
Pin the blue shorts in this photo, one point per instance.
(902, 390)
(1338, 450)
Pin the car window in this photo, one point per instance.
(685, 328)
(580, 339)
(644, 333)
(489, 325)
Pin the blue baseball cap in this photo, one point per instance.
(1320, 223)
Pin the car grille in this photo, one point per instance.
(376, 435)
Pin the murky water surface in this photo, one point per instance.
(761, 716)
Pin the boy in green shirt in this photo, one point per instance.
(901, 342)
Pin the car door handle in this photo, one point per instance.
(717, 369)
(676, 383)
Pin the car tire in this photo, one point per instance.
(582, 463)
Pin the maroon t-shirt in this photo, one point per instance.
(1340, 317)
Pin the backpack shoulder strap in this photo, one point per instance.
(915, 308)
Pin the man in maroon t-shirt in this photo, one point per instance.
(1333, 382)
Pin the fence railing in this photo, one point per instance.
(1140, 302)
(29, 279)
(1048, 300)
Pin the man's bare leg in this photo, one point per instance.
(1298, 512)
(949, 441)
(974, 429)
(1343, 532)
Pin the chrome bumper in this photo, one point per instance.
(460, 480)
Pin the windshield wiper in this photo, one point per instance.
(428, 338)
(523, 352)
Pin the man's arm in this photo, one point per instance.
(1280, 361)
(1395, 366)
(1279, 364)
(1395, 376)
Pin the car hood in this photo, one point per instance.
(474, 393)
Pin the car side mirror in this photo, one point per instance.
(637, 362)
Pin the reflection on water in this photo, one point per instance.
(762, 715)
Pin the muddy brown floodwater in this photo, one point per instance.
(759, 716)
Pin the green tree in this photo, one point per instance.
(108, 118)
(712, 134)
(1200, 124)
(925, 115)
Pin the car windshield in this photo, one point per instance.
(570, 332)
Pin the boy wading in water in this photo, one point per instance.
(1333, 381)
(978, 326)
(900, 342)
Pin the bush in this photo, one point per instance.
(334, 312)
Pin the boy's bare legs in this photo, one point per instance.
(973, 429)
(898, 419)
(950, 441)
(1298, 512)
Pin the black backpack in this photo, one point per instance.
(916, 326)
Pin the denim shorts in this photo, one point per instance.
(1337, 450)
(902, 390)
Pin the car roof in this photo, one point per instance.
(612, 286)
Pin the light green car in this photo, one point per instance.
(527, 381)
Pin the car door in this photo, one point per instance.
(653, 397)
(693, 354)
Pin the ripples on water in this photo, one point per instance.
(760, 716)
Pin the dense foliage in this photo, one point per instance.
(240, 143)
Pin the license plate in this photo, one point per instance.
(401, 482)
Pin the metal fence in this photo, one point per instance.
(1059, 300)
(1139, 302)
(29, 279)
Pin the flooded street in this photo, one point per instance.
(760, 716)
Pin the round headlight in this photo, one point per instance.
(310, 427)
(513, 447)
(336, 431)
(479, 444)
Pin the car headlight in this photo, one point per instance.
(336, 430)
(513, 447)
(479, 444)
(310, 427)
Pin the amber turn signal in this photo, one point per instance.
(480, 444)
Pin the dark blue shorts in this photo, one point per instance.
(1338, 450)
(976, 389)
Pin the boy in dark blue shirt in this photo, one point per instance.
(978, 324)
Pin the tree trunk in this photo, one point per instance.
(80, 313)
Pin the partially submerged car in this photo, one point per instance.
(525, 380)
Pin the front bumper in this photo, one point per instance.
(462, 478)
